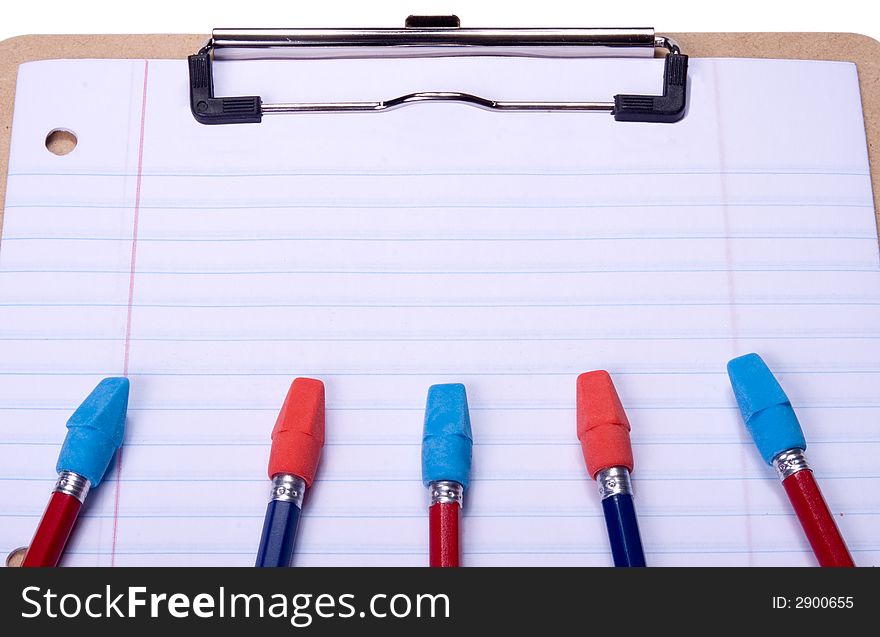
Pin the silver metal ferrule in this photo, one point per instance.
(790, 462)
(287, 487)
(446, 492)
(70, 483)
(614, 481)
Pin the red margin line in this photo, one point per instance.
(127, 347)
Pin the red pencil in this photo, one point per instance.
(57, 522)
(812, 511)
(770, 419)
(443, 522)
(94, 433)
(446, 465)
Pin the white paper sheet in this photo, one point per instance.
(439, 243)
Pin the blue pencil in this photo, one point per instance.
(623, 530)
(603, 430)
(279, 529)
(297, 440)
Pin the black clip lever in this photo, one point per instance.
(208, 109)
(669, 107)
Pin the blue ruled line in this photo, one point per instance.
(451, 173)
(421, 408)
(873, 269)
(363, 551)
(501, 205)
(429, 339)
(679, 477)
(433, 373)
(492, 443)
(421, 515)
(467, 239)
(444, 338)
(682, 303)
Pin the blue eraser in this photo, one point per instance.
(765, 408)
(95, 431)
(447, 441)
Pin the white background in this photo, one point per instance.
(182, 16)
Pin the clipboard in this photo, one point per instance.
(846, 47)
(856, 49)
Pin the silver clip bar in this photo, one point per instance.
(428, 41)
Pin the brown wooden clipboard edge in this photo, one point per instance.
(846, 47)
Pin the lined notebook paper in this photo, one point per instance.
(382, 253)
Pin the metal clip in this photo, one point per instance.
(425, 36)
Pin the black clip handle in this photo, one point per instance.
(208, 109)
(669, 107)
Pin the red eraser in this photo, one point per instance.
(602, 426)
(298, 436)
